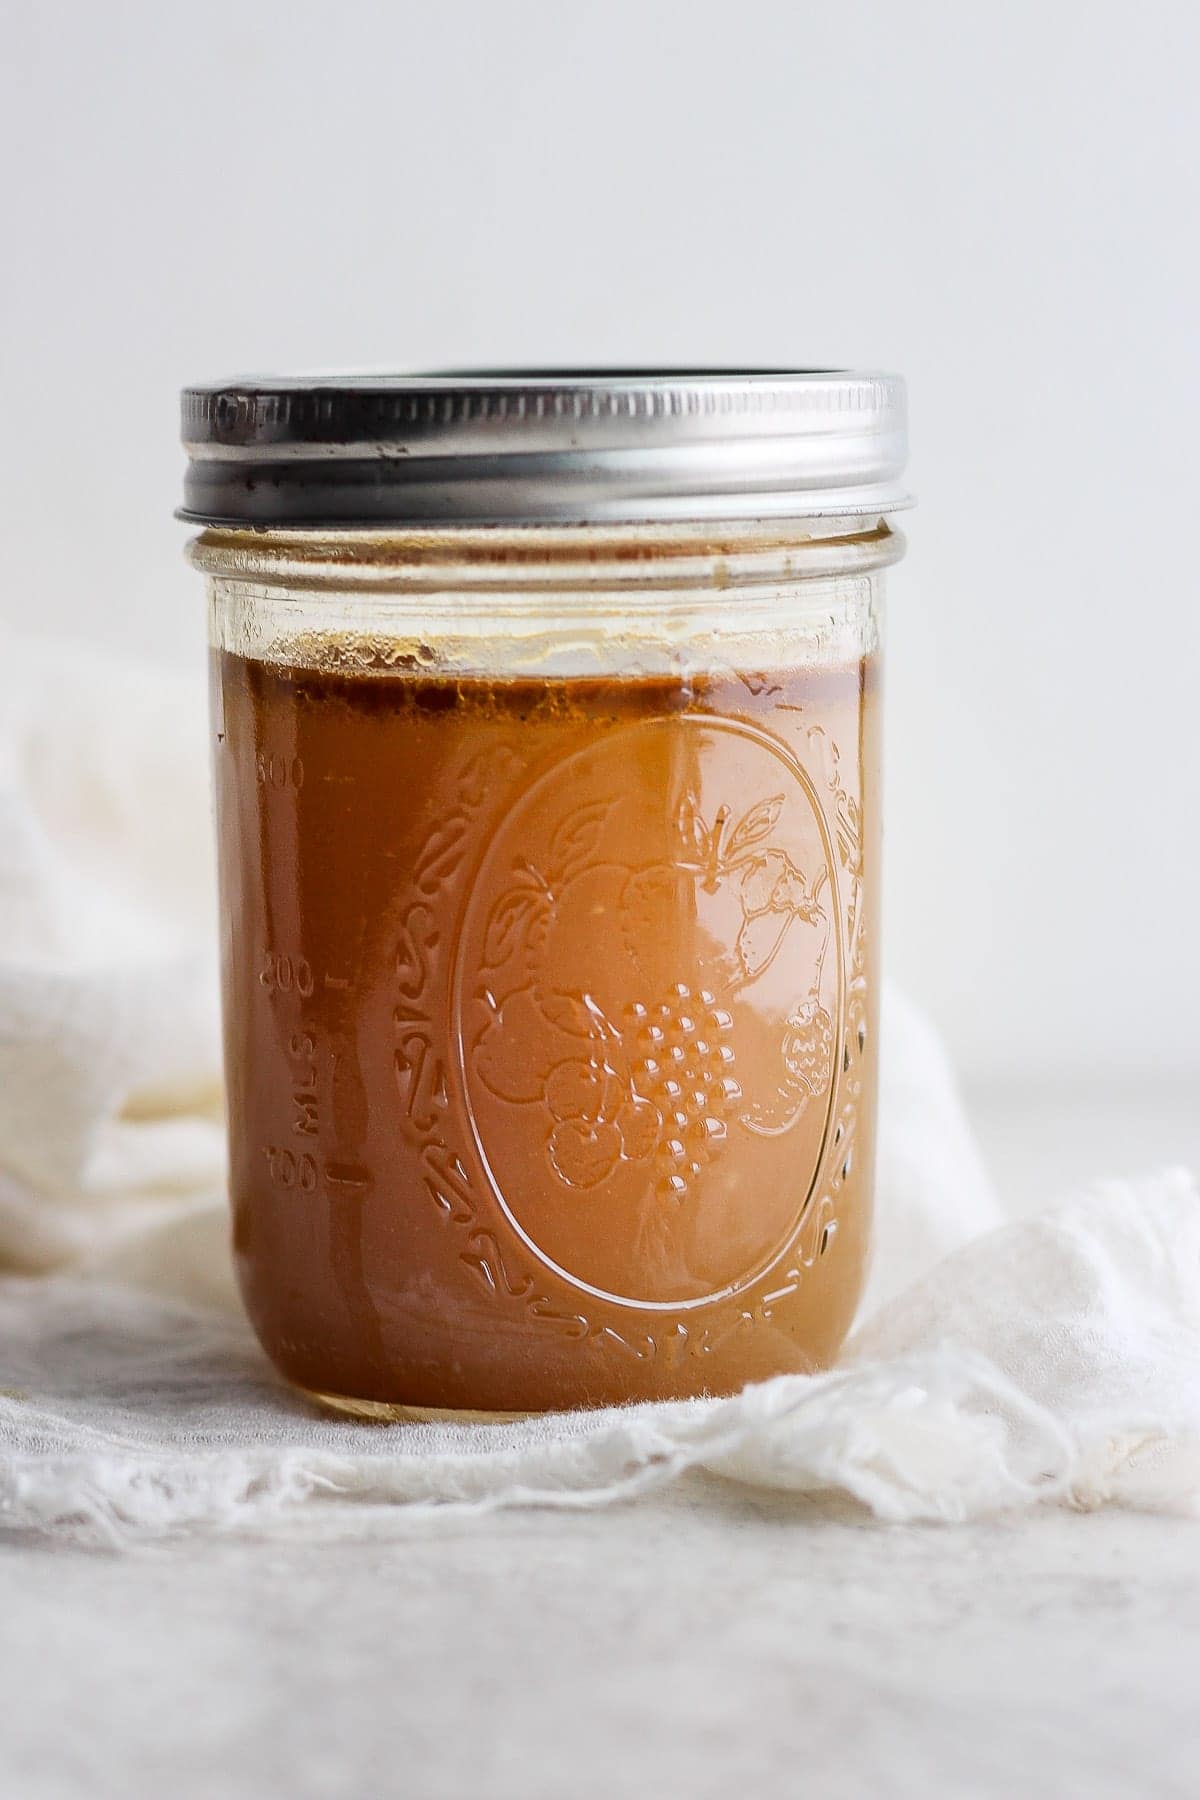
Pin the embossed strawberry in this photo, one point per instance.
(806, 1070)
(808, 1048)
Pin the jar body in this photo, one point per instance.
(549, 874)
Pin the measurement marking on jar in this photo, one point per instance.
(339, 982)
(301, 1169)
(282, 974)
(302, 1048)
(305, 1123)
(291, 1170)
(279, 772)
(347, 1175)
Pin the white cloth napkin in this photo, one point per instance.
(996, 1365)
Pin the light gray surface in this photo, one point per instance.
(693, 1647)
(698, 1644)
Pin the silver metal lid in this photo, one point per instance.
(542, 447)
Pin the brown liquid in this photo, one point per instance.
(550, 1027)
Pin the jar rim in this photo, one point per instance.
(585, 561)
(544, 447)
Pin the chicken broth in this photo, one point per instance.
(550, 1026)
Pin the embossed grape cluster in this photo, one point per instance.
(683, 1064)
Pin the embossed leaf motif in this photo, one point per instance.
(849, 833)
(510, 918)
(757, 824)
(576, 1013)
(484, 770)
(692, 829)
(577, 838)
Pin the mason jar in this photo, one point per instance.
(546, 741)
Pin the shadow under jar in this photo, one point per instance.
(546, 744)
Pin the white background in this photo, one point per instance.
(999, 202)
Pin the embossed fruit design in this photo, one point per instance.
(597, 1121)
(806, 1074)
(583, 1153)
(744, 899)
(808, 1049)
(579, 1089)
(685, 1068)
(623, 1081)
(650, 985)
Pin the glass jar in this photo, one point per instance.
(547, 761)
